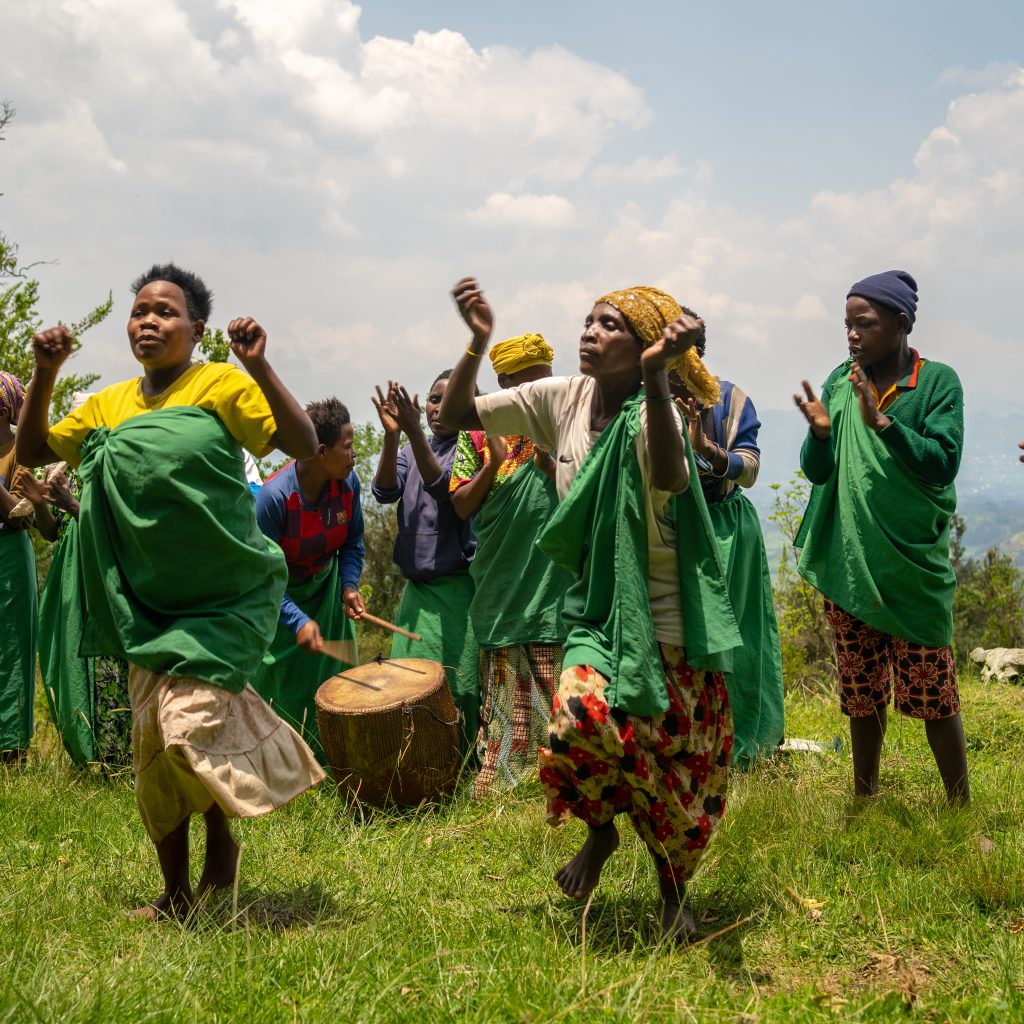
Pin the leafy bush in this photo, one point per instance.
(988, 610)
(808, 659)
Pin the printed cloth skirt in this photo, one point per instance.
(195, 744)
(668, 772)
(518, 685)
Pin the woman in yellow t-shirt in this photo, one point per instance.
(191, 600)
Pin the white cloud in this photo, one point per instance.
(336, 187)
(642, 170)
(502, 210)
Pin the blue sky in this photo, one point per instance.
(332, 170)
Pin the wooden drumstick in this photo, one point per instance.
(367, 617)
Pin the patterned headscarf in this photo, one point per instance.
(648, 312)
(521, 352)
(12, 395)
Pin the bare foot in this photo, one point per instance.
(677, 923)
(579, 877)
(174, 906)
(220, 868)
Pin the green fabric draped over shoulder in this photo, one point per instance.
(599, 533)
(290, 676)
(177, 575)
(19, 605)
(67, 677)
(875, 537)
(519, 590)
(438, 610)
(755, 683)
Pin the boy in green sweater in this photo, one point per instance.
(882, 452)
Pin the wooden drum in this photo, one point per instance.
(390, 731)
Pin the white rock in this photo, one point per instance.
(1003, 664)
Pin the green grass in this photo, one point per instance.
(826, 910)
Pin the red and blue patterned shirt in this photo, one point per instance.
(311, 536)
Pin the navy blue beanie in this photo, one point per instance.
(895, 289)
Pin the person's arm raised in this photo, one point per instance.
(666, 452)
(385, 480)
(407, 412)
(458, 407)
(295, 435)
(49, 349)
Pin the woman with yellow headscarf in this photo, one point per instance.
(640, 723)
(506, 485)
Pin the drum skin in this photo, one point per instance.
(390, 731)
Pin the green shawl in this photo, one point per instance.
(599, 533)
(67, 677)
(519, 590)
(18, 632)
(875, 536)
(178, 578)
(438, 611)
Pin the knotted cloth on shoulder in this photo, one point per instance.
(599, 533)
(178, 577)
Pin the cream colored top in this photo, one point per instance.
(555, 414)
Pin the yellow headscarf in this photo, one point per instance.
(518, 353)
(649, 311)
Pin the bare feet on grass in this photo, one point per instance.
(677, 923)
(174, 906)
(579, 877)
(222, 852)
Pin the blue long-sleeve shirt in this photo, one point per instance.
(432, 540)
(311, 535)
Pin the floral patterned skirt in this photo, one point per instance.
(668, 772)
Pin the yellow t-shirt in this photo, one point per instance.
(223, 389)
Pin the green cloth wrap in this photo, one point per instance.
(519, 590)
(599, 533)
(178, 577)
(875, 535)
(439, 612)
(18, 631)
(67, 677)
(289, 676)
(755, 682)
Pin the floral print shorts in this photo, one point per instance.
(875, 668)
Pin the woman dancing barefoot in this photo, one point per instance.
(641, 723)
(192, 601)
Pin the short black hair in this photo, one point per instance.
(444, 375)
(198, 298)
(703, 343)
(329, 416)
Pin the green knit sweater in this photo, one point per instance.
(926, 434)
(875, 536)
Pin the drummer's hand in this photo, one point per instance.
(309, 638)
(354, 606)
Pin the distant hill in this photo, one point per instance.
(990, 487)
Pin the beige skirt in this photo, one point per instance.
(195, 744)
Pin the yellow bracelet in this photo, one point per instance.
(470, 352)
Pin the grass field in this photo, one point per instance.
(814, 907)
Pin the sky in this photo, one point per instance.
(332, 170)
